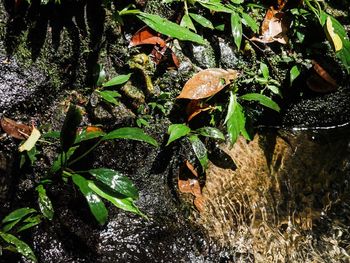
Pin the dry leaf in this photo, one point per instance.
(146, 36)
(334, 37)
(191, 168)
(15, 129)
(93, 129)
(195, 107)
(324, 74)
(190, 186)
(31, 141)
(320, 80)
(274, 28)
(207, 83)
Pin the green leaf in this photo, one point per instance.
(96, 205)
(187, 22)
(32, 155)
(236, 27)
(235, 119)
(118, 80)
(88, 135)
(262, 99)
(52, 135)
(7, 227)
(211, 132)
(109, 96)
(293, 74)
(250, 22)
(124, 203)
(116, 181)
(169, 28)
(264, 70)
(29, 223)
(176, 131)
(45, 204)
(215, 6)
(20, 246)
(200, 150)
(61, 159)
(131, 133)
(220, 27)
(69, 128)
(202, 20)
(274, 89)
(18, 214)
(99, 75)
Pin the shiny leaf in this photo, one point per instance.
(18, 214)
(61, 159)
(207, 83)
(187, 22)
(236, 28)
(202, 20)
(116, 181)
(95, 203)
(211, 132)
(130, 133)
(200, 150)
(20, 246)
(294, 73)
(176, 131)
(45, 204)
(169, 28)
(118, 80)
(262, 99)
(29, 223)
(110, 96)
(124, 203)
(264, 70)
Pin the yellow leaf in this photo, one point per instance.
(336, 40)
(30, 142)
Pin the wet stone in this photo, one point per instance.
(228, 58)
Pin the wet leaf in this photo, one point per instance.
(96, 205)
(274, 28)
(250, 22)
(145, 36)
(236, 28)
(20, 246)
(7, 227)
(207, 83)
(200, 150)
(131, 133)
(262, 99)
(116, 181)
(70, 127)
(294, 73)
(110, 96)
(31, 141)
(176, 131)
(169, 28)
(18, 214)
(15, 129)
(118, 80)
(29, 223)
(202, 20)
(211, 132)
(61, 159)
(124, 203)
(45, 204)
(235, 119)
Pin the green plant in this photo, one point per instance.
(97, 183)
(177, 131)
(12, 225)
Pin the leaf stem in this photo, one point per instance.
(85, 154)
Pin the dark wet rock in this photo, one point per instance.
(202, 56)
(228, 57)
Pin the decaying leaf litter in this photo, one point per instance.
(213, 95)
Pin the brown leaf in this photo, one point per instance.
(324, 74)
(146, 36)
(191, 168)
(207, 83)
(199, 203)
(195, 107)
(274, 28)
(320, 80)
(15, 129)
(190, 186)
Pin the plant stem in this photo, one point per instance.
(86, 153)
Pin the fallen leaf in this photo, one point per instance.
(324, 74)
(31, 141)
(207, 83)
(199, 203)
(15, 129)
(190, 186)
(274, 28)
(191, 168)
(146, 36)
(196, 107)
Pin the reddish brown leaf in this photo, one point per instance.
(190, 186)
(15, 129)
(145, 36)
(191, 168)
(324, 74)
(207, 83)
(320, 80)
(274, 28)
(175, 59)
(93, 129)
(199, 203)
(196, 107)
